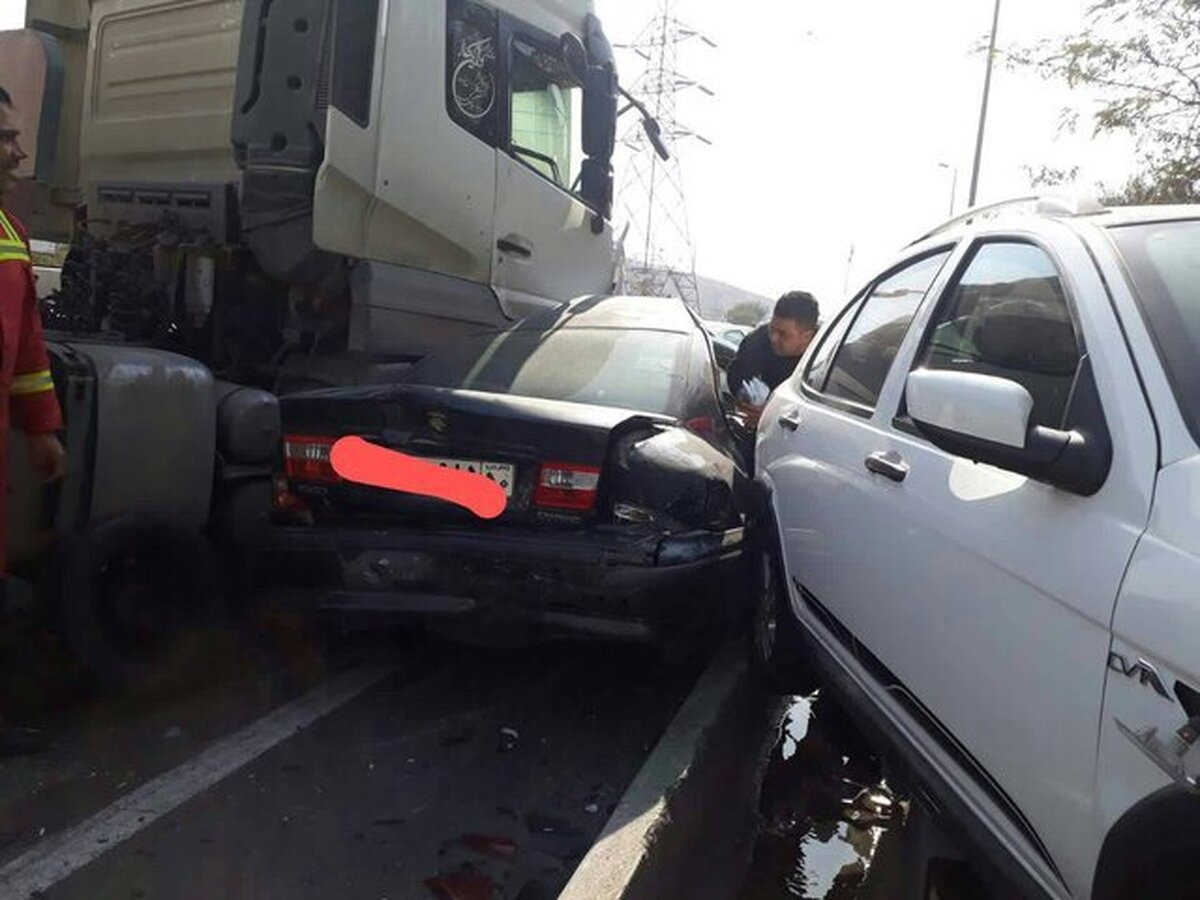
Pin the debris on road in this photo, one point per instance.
(541, 823)
(871, 807)
(498, 848)
(509, 737)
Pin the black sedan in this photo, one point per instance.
(604, 424)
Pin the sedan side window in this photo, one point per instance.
(862, 363)
(1008, 316)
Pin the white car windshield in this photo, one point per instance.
(1163, 259)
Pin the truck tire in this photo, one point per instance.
(140, 603)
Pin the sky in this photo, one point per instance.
(830, 120)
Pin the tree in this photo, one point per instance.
(747, 313)
(1143, 59)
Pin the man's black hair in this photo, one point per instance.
(5, 98)
(799, 306)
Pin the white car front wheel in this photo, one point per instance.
(777, 653)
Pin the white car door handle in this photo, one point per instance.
(514, 246)
(889, 465)
(790, 420)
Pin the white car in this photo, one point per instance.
(982, 497)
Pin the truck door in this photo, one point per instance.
(409, 177)
(550, 245)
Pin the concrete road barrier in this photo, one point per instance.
(687, 824)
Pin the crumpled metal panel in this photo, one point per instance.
(679, 475)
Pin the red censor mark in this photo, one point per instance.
(357, 460)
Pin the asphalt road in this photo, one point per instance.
(369, 770)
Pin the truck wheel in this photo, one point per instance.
(777, 653)
(140, 603)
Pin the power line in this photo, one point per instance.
(662, 258)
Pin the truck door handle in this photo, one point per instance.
(889, 465)
(790, 420)
(505, 245)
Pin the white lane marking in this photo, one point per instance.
(57, 857)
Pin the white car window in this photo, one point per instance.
(863, 361)
(818, 366)
(1008, 316)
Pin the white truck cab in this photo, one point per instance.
(431, 165)
(478, 155)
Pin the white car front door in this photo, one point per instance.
(818, 429)
(985, 596)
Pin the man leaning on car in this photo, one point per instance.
(771, 352)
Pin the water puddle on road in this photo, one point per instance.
(834, 829)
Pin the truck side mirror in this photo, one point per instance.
(654, 133)
(575, 55)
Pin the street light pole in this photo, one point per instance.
(987, 86)
(953, 184)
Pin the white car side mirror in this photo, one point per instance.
(983, 407)
(988, 419)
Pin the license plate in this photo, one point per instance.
(504, 474)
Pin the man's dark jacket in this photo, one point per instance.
(756, 359)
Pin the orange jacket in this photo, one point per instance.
(26, 388)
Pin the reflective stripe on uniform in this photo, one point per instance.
(10, 233)
(33, 383)
(12, 248)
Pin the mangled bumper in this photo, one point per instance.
(604, 584)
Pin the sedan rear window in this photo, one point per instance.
(637, 370)
(1163, 260)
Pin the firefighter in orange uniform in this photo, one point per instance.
(26, 389)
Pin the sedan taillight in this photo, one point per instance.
(566, 486)
(307, 459)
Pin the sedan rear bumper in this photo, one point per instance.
(596, 583)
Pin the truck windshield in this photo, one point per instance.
(547, 108)
(638, 370)
(1163, 259)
